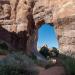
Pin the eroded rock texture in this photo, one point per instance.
(16, 22)
(21, 19)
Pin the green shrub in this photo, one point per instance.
(54, 52)
(44, 51)
(3, 46)
(49, 54)
(33, 56)
(69, 63)
(17, 64)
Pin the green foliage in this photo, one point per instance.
(33, 56)
(18, 64)
(38, 62)
(69, 63)
(54, 52)
(44, 51)
(47, 53)
(3, 46)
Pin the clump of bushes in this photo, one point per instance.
(49, 53)
(18, 64)
(44, 51)
(68, 62)
(54, 52)
(3, 48)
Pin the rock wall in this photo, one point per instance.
(67, 41)
(16, 22)
(21, 19)
(62, 14)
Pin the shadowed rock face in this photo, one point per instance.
(24, 17)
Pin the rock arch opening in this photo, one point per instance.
(47, 36)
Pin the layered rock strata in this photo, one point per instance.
(21, 19)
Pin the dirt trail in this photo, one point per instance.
(57, 69)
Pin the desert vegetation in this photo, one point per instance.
(67, 60)
(18, 63)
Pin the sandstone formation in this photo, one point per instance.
(21, 19)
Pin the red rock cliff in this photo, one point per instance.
(20, 20)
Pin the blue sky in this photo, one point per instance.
(47, 35)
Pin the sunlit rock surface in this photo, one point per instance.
(20, 20)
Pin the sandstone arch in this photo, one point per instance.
(65, 28)
(27, 15)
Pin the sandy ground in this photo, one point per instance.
(56, 70)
